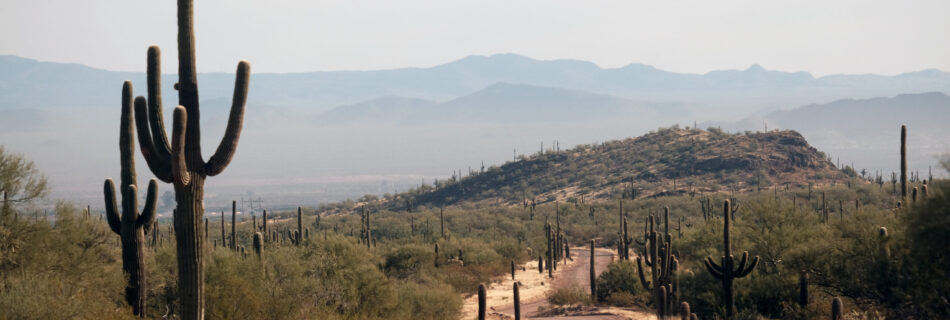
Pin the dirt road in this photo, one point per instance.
(534, 289)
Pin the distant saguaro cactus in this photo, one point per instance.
(803, 289)
(299, 232)
(234, 225)
(512, 270)
(436, 255)
(264, 224)
(728, 270)
(593, 274)
(130, 226)
(180, 162)
(663, 265)
(481, 301)
(836, 309)
(540, 264)
(904, 162)
(883, 239)
(258, 244)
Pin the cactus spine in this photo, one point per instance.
(728, 270)
(180, 162)
(130, 226)
(481, 301)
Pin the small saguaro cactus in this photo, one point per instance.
(442, 223)
(540, 264)
(264, 223)
(883, 239)
(436, 255)
(684, 310)
(512, 270)
(481, 301)
(517, 300)
(904, 162)
(258, 244)
(299, 232)
(234, 225)
(593, 274)
(803, 288)
(728, 270)
(130, 226)
(836, 309)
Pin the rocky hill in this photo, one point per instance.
(669, 161)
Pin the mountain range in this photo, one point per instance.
(30, 83)
(388, 129)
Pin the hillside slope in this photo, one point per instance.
(664, 162)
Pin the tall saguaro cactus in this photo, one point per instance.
(131, 226)
(728, 270)
(180, 161)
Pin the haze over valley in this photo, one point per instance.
(317, 137)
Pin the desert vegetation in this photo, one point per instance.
(371, 262)
(817, 240)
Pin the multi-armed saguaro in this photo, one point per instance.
(663, 265)
(180, 161)
(131, 226)
(728, 270)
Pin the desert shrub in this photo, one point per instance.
(621, 299)
(68, 270)
(569, 296)
(620, 277)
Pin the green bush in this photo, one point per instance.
(620, 277)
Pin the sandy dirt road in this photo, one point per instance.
(534, 289)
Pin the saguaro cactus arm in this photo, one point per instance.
(228, 146)
(179, 166)
(159, 165)
(156, 119)
(740, 272)
(713, 268)
(112, 209)
(147, 218)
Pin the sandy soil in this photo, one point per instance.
(535, 287)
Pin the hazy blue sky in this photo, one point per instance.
(823, 37)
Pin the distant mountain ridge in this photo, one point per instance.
(498, 103)
(866, 130)
(30, 83)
